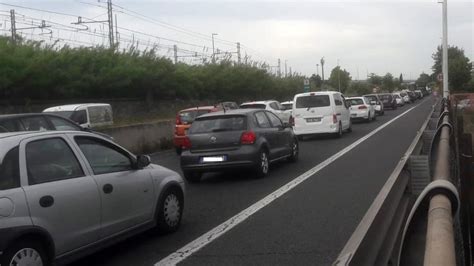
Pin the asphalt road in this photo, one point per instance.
(309, 225)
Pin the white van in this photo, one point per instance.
(320, 112)
(87, 115)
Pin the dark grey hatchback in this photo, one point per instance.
(243, 138)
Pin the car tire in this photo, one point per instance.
(192, 177)
(295, 150)
(178, 150)
(169, 211)
(263, 164)
(25, 252)
(300, 138)
(339, 133)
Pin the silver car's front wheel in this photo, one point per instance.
(27, 257)
(170, 210)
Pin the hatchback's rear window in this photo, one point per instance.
(311, 101)
(188, 117)
(356, 101)
(10, 170)
(218, 124)
(253, 106)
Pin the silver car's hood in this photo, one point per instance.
(163, 171)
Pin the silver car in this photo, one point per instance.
(66, 194)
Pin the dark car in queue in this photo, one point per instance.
(237, 139)
(40, 122)
(388, 101)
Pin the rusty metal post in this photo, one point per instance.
(439, 249)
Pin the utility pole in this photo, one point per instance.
(175, 48)
(322, 68)
(445, 50)
(338, 75)
(286, 73)
(116, 31)
(279, 68)
(213, 50)
(238, 53)
(13, 23)
(111, 24)
(291, 75)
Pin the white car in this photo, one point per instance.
(361, 108)
(272, 106)
(87, 115)
(404, 96)
(399, 99)
(320, 112)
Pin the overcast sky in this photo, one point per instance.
(366, 36)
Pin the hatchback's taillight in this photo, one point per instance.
(248, 137)
(292, 121)
(186, 143)
(362, 107)
(334, 118)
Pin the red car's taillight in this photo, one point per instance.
(186, 143)
(334, 118)
(178, 120)
(248, 137)
(292, 121)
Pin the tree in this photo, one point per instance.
(339, 75)
(423, 80)
(459, 67)
(359, 88)
(388, 83)
(401, 78)
(375, 80)
(316, 80)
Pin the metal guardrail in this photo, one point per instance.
(439, 249)
(410, 221)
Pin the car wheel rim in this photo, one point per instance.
(264, 164)
(172, 210)
(295, 149)
(27, 256)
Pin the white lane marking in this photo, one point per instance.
(213, 234)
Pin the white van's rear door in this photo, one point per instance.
(313, 110)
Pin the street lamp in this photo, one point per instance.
(338, 75)
(445, 49)
(213, 52)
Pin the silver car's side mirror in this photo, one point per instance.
(143, 161)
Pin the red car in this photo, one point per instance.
(184, 119)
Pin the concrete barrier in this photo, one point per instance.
(143, 138)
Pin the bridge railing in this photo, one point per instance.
(410, 222)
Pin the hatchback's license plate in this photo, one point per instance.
(312, 120)
(213, 159)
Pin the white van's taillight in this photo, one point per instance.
(334, 118)
(292, 121)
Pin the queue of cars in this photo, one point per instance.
(51, 167)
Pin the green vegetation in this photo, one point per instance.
(32, 70)
(460, 75)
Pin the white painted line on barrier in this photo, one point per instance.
(213, 234)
